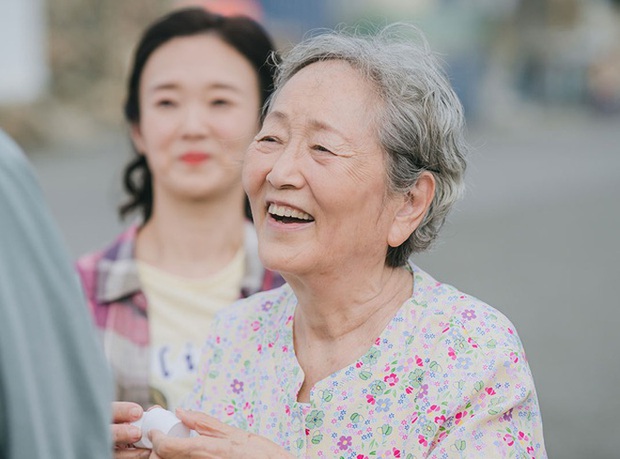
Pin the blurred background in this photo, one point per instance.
(536, 235)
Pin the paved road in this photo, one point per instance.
(536, 237)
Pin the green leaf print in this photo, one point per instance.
(460, 445)
(316, 438)
(434, 366)
(492, 344)
(385, 429)
(479, 386)
(356, 417)
(327, 395)
(365, 375)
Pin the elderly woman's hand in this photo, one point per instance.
(123, 433)
(215, 440)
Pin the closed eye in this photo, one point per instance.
(165, 103)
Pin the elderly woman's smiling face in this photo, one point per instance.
(316, 176)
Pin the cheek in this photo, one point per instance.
(252, 174)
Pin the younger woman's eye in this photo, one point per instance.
(220, 102)
(165, 103)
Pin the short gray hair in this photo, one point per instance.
(421, 124)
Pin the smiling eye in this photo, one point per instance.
(321, 148)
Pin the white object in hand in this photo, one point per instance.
(160, 419)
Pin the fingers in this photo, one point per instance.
(204, 424)
(126, 412)
(125, 434)
(123, 413)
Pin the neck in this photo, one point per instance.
(336, 322)
(349, 304)
(192, 238)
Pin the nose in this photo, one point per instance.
(286, 169)
(195, 122)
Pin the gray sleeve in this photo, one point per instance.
(55, 388)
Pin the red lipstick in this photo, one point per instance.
(193, 157)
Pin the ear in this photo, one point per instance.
(412, 209)
(137, 139)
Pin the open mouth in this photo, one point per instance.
(285, 214)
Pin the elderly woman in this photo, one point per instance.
(361, 354)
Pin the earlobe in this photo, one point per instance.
(413, 209)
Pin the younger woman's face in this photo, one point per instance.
(199, 110)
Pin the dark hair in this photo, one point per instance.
(242, 33)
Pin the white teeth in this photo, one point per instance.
(284, 211)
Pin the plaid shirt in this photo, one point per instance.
(112, 287)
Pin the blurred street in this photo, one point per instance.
(536, 236)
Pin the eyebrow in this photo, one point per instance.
(314, 123)
(171, 86)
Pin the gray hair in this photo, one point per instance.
(420, 124)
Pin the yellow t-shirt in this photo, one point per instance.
(180, 314)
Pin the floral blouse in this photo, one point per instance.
(447, 377)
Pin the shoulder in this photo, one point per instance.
(463, 317)
(112, 252)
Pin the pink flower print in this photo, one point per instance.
(344, 443)
(255, 325)
(307, 431)
(490, 391)
(513, 357)
(423, 391)
(451, 353)
(422, 440)
(247, 406)
(230, 410)
(414, 417)
(361, 456)
(370, 399)
(237, 386)
(530, 450)
(440, 419)
(432, 408)
(418, 361)
(359, 365)
(510, 331)
(523, 436)
(472, 343)
(409, 389)
(287, 409)
(285, 348)
(218, 339)
(509, 439)
(468, 314)
(391, 379)
(442, 435)
(259, 348)
(250, 418)
(459, 417)
(396, 452)
(377, 341)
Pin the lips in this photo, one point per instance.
(194, 157)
